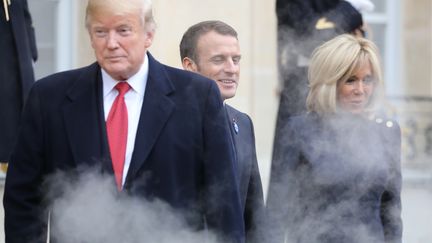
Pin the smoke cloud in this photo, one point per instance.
(335, 180)
(88, 208)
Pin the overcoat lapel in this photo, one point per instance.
(230, 117)
(23, 42)
(84, 120)
(243, 152)
(156, 110)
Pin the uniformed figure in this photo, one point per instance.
(302, 26)
(18, 51)
(211, 48)
(337, 178)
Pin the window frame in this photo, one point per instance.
(391, 19)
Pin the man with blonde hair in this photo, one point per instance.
(158, 130)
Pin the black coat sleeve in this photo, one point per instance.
(254, 208)
(222, 199)
(391, 199)
(30, 31)
(283, 201)
(25, 216)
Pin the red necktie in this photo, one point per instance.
(117, 130)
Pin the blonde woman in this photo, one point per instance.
(338, 176)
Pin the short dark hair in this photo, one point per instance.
(188, 43)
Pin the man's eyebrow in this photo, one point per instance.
(217, 56)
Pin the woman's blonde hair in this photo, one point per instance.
(335, 61)
(95, 7)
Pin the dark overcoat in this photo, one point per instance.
(18, 51)
(182, 153)
(251, 193)
(337, 179)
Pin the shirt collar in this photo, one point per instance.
(137, 82)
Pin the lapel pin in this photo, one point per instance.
(236, 127)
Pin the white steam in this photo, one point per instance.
(90, 209)
(328, 183)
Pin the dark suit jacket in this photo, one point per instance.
(18, 50)
(251, 193)
(336, 180)
(182, 153)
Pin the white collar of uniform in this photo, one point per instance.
(137, 82)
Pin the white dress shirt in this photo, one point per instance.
(134, 99)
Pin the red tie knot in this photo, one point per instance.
(122, 88)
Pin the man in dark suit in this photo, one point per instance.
(211, 48)
(158, 129)
(18, 51)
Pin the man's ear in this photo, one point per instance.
(149, 38)
(189, 64)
